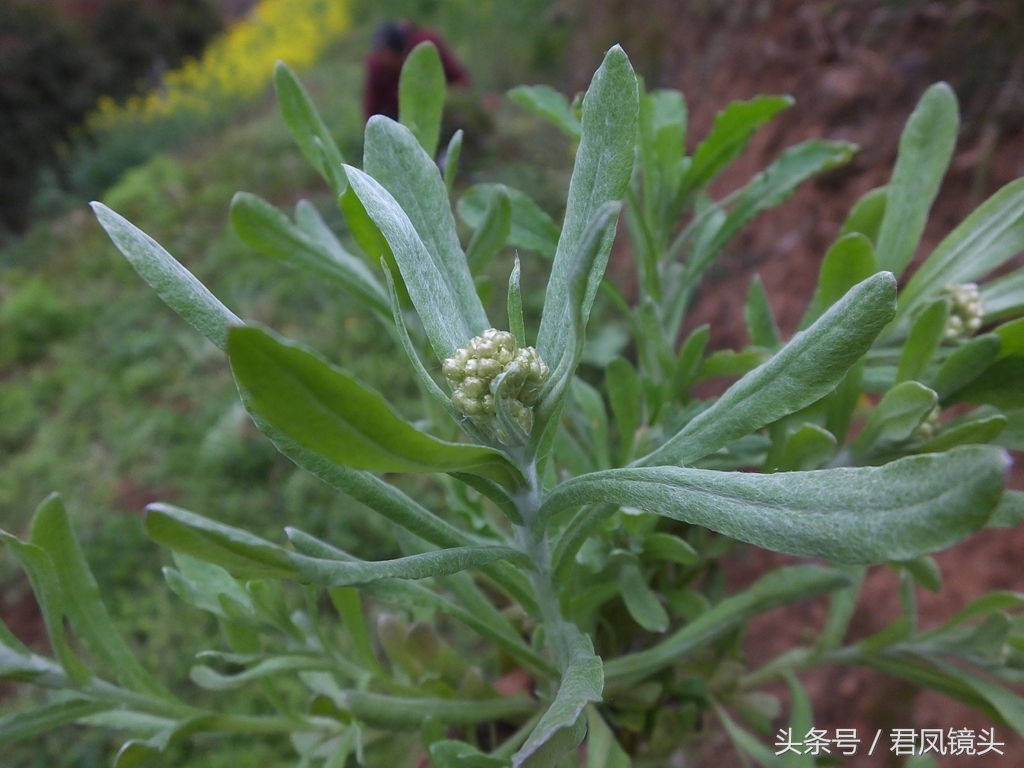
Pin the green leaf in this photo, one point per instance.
(662, 136)
(867, 214)
(926, 147)
(1010, 512)
(924, 571)
(1005, 702)
(812, 364)
(421, 92)
(333, 573)
(239, 552)
(451, 160)
(985, 240)
(493, 231)
(440, 294)
(33, 722)
(52, 533)
(603, 749)
(801, 720)
(895, 418)
(689, 360)
(965, 364)
(923, 341)
(516, 324)
(178, 287)
(841, 607)
(567, 349)
(1011, 336)
(266, 229)
(665, 546)
(582, 684)
(976, 431)
(211, 680)
(530, 228)
(1003, 297)
(899, 511)
(809, 447)
(760, 318)
(307, 127)
(544, 101)
(641, 602)
(772, 186)
(401, 713)
(779, 587)
(481, 617)
(327, 411)
(729, 136)
(1001, 386)
(52, 603)
(349, 606)
(848, 262)
(600, 176)
(458, 754)
(726, 362)
(623, 386)
(748, 744)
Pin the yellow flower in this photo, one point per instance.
(236, 66)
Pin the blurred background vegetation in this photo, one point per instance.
(108, 398)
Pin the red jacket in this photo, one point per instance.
(384, 67)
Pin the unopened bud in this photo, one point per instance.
(471, 373)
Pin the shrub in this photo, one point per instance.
(584, 523)
(48, 81)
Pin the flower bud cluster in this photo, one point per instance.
(966, 313)
(471, 373)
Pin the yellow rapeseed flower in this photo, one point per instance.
(237, 65)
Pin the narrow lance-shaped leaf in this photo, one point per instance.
(552, 105)
(178, 287)
(451, 160)
(895, 417)
(428, 283)
(492, 233)
(601, 174)
(899, 511)
(307, 127)
(985, 240)
(52, 532)
(779, 587)
(582, 684)
(805, 370)
(333, 573)
(965, 364)
(760, 318)
(266, 229)
(773, 186)
(849, 261)
(327, 411)
(46, 587)
(393, 157)
(26, 724)
(421, 91)
(241, 553)
(530, 228)
(573, 331)
(476, 616)
(926, 147)
(729, 136)
(866, 215)
(923, 341)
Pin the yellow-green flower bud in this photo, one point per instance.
(927, 428)
(966, 311)
(472, 371)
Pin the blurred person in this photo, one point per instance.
(393, 43)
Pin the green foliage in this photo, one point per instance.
(584, 553)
